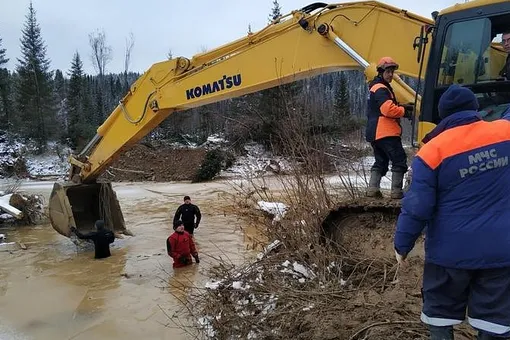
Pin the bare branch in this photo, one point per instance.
(130, 42)
(101, 52)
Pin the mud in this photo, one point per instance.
(159, 164)
(364, 230)
(52, 290)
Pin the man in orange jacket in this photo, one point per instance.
(180, 246)
(384, 132)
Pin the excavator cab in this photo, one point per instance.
(467, 50)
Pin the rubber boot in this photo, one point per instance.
(441, 333)
(374, 186)
(397, 181)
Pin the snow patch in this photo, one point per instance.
(213, 284)
(239, 285)
(274, 245)
(305, 309)
(256, 163)
(303, 270)
(206, 324)
(6, 217)
(277, 209)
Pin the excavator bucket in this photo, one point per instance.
(81, 205)
(358, 213)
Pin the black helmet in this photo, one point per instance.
(99, 224)
(177, 223)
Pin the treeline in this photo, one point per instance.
(63, 105)
(69, 105)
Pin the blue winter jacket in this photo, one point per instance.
(460, 190)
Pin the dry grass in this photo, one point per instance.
(304, 287)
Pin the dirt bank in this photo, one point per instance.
(161, 164)
(356, 291)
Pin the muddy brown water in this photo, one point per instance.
(52, 290)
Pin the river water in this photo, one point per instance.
(53, 291)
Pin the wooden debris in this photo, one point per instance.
(8, 208)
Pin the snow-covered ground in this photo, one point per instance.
(357, 175)
(49, 164)
(257, 162)
(53, 162)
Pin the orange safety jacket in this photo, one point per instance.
(383, 111)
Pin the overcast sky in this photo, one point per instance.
(157, 25)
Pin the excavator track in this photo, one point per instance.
(368, 213)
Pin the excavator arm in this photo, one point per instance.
(317, 39)
(337, 37)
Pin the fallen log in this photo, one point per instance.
(132, 171)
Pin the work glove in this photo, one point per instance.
(408, 111)
(197, 260)
(184, 259)
(400, 258)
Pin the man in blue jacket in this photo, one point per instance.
(461, 192)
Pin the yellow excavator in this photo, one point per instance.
(457, 45)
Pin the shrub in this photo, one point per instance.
(215, 160)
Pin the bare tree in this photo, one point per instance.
(130, 42)
(101, 56)
(101, 52)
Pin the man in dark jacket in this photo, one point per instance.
(384, 132)
(505, 71)
(187, 213)
(102, 238)
(459, 191)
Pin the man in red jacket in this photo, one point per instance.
(180, 246)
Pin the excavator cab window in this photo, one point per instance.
(468, 57)
(472, 55)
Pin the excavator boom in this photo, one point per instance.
(316, 39)
(337, 37)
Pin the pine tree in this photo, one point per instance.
(59, 93)
(60, 85)
(276, 11)
(34, 92)
(341, 105)
(343, 120)
(249, 29)
(5, 91)
(74, 102)
(3, 58)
